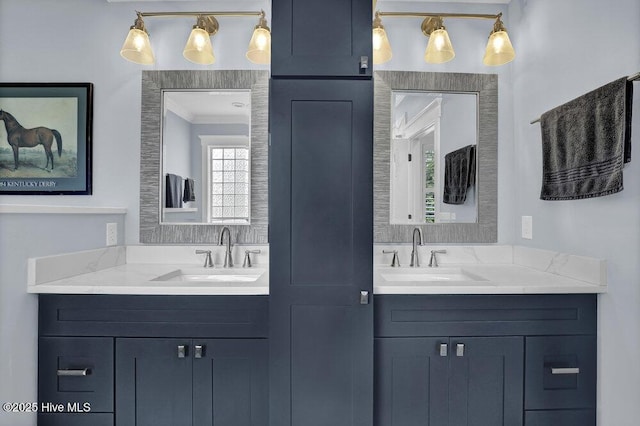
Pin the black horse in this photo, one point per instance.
(19, 137)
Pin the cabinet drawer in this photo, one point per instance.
(76, 371)
(560, 372)
(97, 419)
(154, 316)
(560, 418)
(484, 315)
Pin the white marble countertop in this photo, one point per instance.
(484, 279)
(140, 278)
(463, 270)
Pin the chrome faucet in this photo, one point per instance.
(208, 262)
(433, 261)
(395, 262)
(228, 260)
(247, 258)
(415, 260)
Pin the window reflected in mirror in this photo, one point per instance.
(206, 152)
(433, 157)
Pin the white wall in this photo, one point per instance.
(23, 236)
(80, 41)
(565, 49)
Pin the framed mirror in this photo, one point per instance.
(435, 157)
(204, 156)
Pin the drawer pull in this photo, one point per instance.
(565, 371)
(75, 373)
(199, 351)
(444, 349)
(183, 351)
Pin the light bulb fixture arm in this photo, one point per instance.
(439, 15)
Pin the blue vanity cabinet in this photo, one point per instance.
(167, 382)
(154, 360)
(449, 381)
(485, 360)
(321, 38)
(321, 243)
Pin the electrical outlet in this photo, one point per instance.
(527, 227)
(112, 234)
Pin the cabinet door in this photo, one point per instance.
(411, 382)
(153, 382)
(321, 38)
(321, 242)
(486, 381)
(231, 381)
(75, 371)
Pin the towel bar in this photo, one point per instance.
(633, 77)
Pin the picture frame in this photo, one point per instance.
(46, 138)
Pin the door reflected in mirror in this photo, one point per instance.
(433, 157)
(206, 152)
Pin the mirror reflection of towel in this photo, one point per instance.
(189, 192)
(459, 174)
(173, 189)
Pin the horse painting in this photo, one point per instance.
(19, 137)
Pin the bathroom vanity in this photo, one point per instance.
(506, 335)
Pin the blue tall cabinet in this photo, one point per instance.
(321, 214)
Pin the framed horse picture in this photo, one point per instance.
(45, 138)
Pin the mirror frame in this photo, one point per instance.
(153, 84)
(485, 230)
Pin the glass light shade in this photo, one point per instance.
(499, 49)
(137, 48)
(439, 49)
(259, 51)
(199, 49)
(381, 47)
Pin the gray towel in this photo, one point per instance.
(459, 174)
(173, 190)
(586, 142)
(189, 191)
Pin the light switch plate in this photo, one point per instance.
(112, 234)
(527, 227)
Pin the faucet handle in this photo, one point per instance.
(208, 262)
(395, 261)
(247, 258)
(433, 260)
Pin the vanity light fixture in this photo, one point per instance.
(137, 47)
(199, 49)
(260, 45)
(499, 50)
(381, 47)
(439, 49)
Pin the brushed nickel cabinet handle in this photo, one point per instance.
(558, 371)
(74, 373)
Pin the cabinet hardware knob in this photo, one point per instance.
(183, 351)
(75, 373)
(364, 62)
(364, 297)
(444, 349)
(460, 349)
(198, 351)
(565, 371)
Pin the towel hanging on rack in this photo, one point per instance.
(586, 142)
(189, 194)
(632, 77)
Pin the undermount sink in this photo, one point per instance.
(209, 275)
(428, 274)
